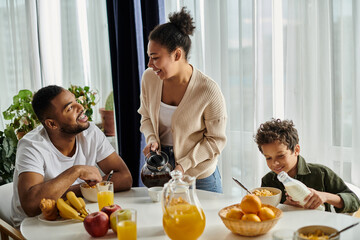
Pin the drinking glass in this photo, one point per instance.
(283, 234)
(105, 194)
(126, 224)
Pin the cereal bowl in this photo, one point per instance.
(155, 193)
(89, 193)
(315, 232)
(268, 195)
(249, 228)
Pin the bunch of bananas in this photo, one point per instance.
(72, 208)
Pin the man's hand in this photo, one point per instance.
(90, 174)
(154, 146)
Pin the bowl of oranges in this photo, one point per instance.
(268, 195)
(250, 217)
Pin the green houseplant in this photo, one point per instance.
(107, 116)
(8, 144)
(109, 104)
(85, 97)
(22, 120)
(21, 113)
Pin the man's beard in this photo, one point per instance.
(73, 129)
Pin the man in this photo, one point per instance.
(60, 154)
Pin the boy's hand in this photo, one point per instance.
(314, 199)
(291, 202)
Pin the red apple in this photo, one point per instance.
(97, 224)
(125, 214)
(110, 209)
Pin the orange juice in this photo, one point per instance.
(126, 230)
(183, 221)
(105, 198)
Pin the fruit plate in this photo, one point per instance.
(58, 220)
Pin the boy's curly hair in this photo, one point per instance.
(277, 130)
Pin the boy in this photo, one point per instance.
(278, 141)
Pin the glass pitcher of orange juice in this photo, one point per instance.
(183, 217)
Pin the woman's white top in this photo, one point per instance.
(166, 112)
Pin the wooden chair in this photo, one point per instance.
(7, 231)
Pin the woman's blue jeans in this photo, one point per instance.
(211, 183)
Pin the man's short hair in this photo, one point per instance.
(277, 130)
(41, 102)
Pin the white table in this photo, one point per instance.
(149, 220)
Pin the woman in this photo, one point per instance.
(182, 109)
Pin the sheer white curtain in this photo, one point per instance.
(322, 81)
(308, 76)
(290, 59)
(19, 53)
(355, 163)
(54, 42)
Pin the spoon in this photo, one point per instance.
(237, 181)
(110, 175)
(344, 229)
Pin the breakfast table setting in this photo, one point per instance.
(150, 219)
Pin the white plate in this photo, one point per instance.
(58, 220)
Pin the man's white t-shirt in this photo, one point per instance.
(36, 153)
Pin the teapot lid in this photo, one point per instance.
(156, 160)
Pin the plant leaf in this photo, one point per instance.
(23, 94)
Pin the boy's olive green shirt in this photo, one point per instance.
(320, 178)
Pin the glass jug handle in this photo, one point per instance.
(165, 198)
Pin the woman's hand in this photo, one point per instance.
(179, 167)
(154, 146)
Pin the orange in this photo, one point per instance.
(266, 213)
(251, 217)
(250, 204)
(235, 213)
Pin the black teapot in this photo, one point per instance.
(156, 170)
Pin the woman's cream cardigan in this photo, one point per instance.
(198, 124)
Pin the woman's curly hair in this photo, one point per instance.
(175, 33)
(277, 130)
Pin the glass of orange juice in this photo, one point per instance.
(126, 225)
(105, 194)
